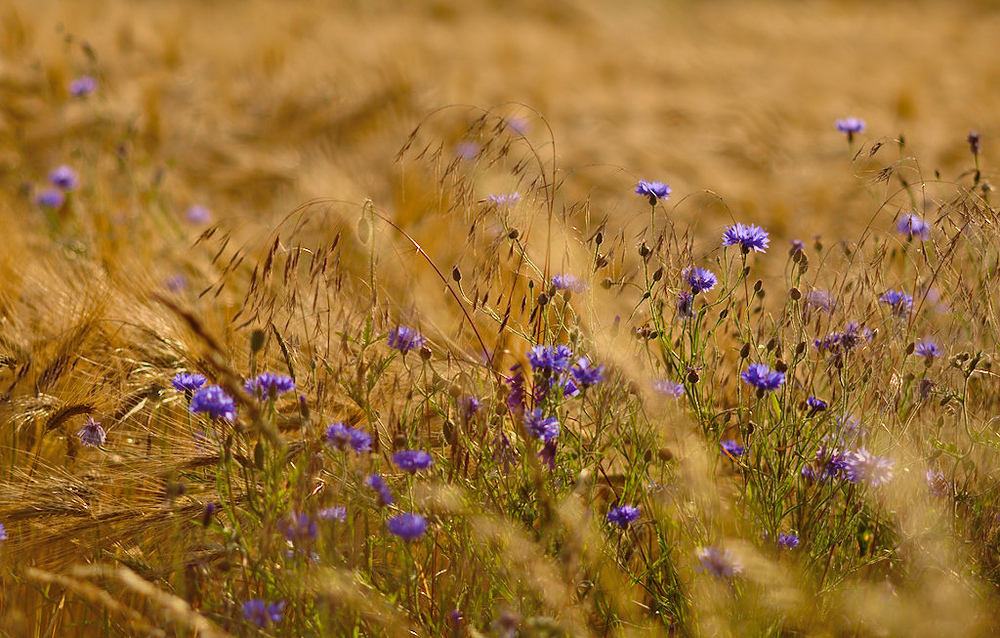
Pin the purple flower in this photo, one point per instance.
(672, 389)
(762, 377)
(700, 279)
(405, 339)
(409, 527)
(82, 86)
(569, 282)
(467, 149)
(788, 541)
(298, 527)
(515, 399)
(840, 343)
(927, 349)
(175, 283)
(63, 177)
(342, 437)
(551, 358)
(820, 300)
(261, 613)
(731, 448)
(207, 513)
(913, 225)
(569, 390)
(548, 453)
(412, 461)
(198, 215)
(214, 400)
(503, 199)
(381, 488)
(268, 386)
(974, 142)
(829, 463)
(863, 466)
(623, 515)
(937, 484)
(188, 382)
(797, 246)
(50, 198)
(540, 426)
(3, 532)
(653, 191)
(900, 302)
(332, 514)
(750, 237)
(850, 126)
(718, 562)
(685, 305)
(586, 374)
(816, 404)
(91, 433)
(468, 406)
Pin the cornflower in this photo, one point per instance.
(672, 389)
(913, 225)
(900, 302)
(653, 191)
(405, 339)
(718, 562)
(92, 434)
(850, 126)
(700, 279)
(412, 461)
(342, 437)
(82, 86)
(587, 374)
(623, 515)
(198, 215)
(748, 237)
(214, 400)
(762, 377)
(863, 466)
(63, 177)
(50, 198)
(554, 359)
(261, 613)
(409, 527)
(927, 349)
(540, 426)
(188, 382)
(731, 448)
(788, 541)
(382, 491)
(268, 386)
(571, 283)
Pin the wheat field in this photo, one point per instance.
(560, 318)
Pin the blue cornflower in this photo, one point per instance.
(503, 199)
(718, 562)
(82, 86)
(762, 377)
(551, 358)
(412, 461)
(672, 389)
(409, 527)
(653, 191)
(900, 302)
(913, 225)
(540, 426)
(92, 434)
(749, 237)
(214, 400)
(268, 386)
(50, 198)
(515, 399)
(63, 177)
(797, 246)
(467, 149)
(685, 305)
(830, 462)
(569, 389)
(298, 527)
(3, 532)
(623, 515)
(571, 283)
(468, 406)
(381, 488)
(548, 453)
(816, 404)
(700, 279)
(342, 437)
(937, 484)
(586, 374)
(188, 382)
(335, 513)
(850, 126)
(176, 283)
(405, 339)
(261, 613)
(198, 215)
(788, 541)
(820, 300)
(863, 466)
(927, 349)
(731, 448)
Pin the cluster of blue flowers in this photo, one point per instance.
(64, 179)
